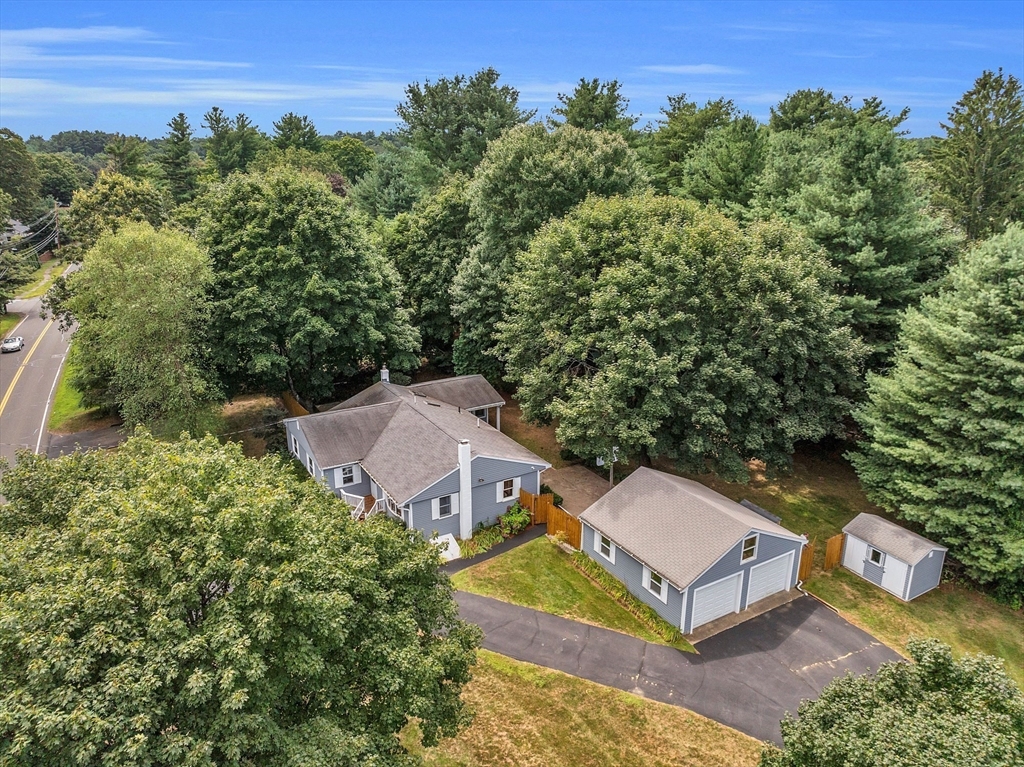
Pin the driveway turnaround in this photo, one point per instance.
(747, 677)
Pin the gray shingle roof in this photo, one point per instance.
(676, 526)
(891, 538)
(468, 392)
(405, 442)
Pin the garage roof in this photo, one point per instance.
(891, 538)
(676, 526)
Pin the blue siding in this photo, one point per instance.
(768, 547)
(486, 507)
(927, 574)
(421, 521)
(445, 486)
(873, 572)
(362, 487)
(304, 452)
(631, 573)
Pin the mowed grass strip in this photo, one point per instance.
(967, 621)
(8, 322)
(531, 716)
(69, 414)
(539, 575)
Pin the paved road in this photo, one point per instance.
(746, 677)
(27, 381)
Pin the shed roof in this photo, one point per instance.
(676, 526)
(404, 440)
(891, 538)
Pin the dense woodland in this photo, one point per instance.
(709, 288)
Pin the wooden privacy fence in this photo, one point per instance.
(542, 508)
(806, 562)
(833, 551)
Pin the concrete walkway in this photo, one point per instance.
(747, 677)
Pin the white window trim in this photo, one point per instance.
(310, 465)
(435, 506)
(757, 545)
(663, 596)
(357, 475)
(611, 547)
(499, 486)
(881, 556)
(295, 446)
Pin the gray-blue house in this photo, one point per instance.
(690, 553)
(424, 454)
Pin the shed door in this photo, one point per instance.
(769, 578)
(716, 600)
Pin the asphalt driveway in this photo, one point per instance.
(747, 677)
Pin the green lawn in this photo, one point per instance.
(41, 279)
(966, 620)
(539, 575)
(8, 321)
(69, 414)
(527, 715)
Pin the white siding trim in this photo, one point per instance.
(532, 464)
(435, 507)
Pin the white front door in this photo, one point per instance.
(769, 578)
(716, 599)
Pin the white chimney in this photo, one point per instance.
(465, 491)
(385, 376)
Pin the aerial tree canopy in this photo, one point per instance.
(453, 119)
(300, 296)
(233, 143)
(427, 246)
(108, 204)
(594, 105)
(937, 711)
(19, 176)
(126, 154)
(179, 161)
(353, 158)
(660, 327)
(140, 302)
(684, 127)
(400, 176)
(528, 176)
(944, 429)
(977, 169)
(725, 167)
(845, 181)
(296, 132)
(61, 175)
(176, 603)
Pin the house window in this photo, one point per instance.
(295, 445)
(348, 475)
(749, 549)
(606, 547)
(656, 585)
(875, 556)
(444, 506)
(507, 489)
(309, 464)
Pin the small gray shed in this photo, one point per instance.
(903, 563)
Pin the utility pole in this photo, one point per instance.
(56, 224)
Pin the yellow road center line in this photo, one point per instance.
(24, 364)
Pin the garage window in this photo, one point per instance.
(749, 549)
(605, 547)
(655, 584)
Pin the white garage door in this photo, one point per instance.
(769, 578)
(716, 600)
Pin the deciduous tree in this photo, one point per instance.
(936, 711)
(19, 176)
(110, 202)
(141, 304)
(353, 158)
(61, 175)
(527, 177)
(177, 603)
(453, 119)
(978, 168)
(945, 428)
(660, 327)
(301, 297)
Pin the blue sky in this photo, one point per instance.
(130, 67)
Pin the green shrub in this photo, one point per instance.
(547, 489)
(514, 521)
(483, 539)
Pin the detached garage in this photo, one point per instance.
(690, 553)
(903, 563)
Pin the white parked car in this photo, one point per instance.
(12, 344)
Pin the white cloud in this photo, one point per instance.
(27, 58)
(693, 69)
(62, 35)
